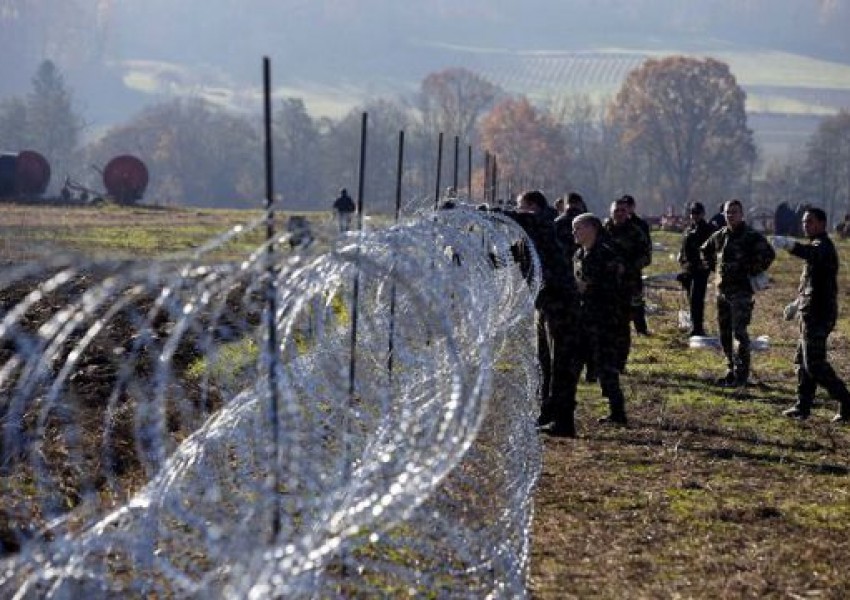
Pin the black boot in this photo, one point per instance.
(547, 413)
(564, 427)
(742, 366)
(639, 319)
(617, 408)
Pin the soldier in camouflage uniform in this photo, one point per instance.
(737, 252)
(694, 275)
(816, 309)
(598, 269)
(556, 314)
(633, 244)
(638, 307)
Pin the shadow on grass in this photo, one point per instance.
(704, 441)
(756, 390)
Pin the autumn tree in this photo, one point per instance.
(452, 101)
(683, 120)
(528, 144)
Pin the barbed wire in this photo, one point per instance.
(137, 448)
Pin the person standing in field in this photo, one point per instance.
(694, 274)
(598, 269)
(816, 311)
(344, 208)
(638, 302)
(575, 206)
(739, 253)
(555, 315)
(631, 241)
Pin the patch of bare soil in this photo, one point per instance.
(84, 446)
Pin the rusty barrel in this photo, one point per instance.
(125, 178)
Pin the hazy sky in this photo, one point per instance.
(120, 54)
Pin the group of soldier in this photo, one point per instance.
(591, 294)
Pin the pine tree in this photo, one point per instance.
(52, 125)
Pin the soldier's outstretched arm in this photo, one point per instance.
(815, 251)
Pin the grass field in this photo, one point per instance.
(115, 232)
(709, 493)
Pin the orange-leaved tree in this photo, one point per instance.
(686, 117)
(528, 144)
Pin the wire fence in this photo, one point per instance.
(141, 456)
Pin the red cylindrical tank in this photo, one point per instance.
(32, 173)
(125, 178)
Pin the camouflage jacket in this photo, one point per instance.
(817, 296)
(737, 255)
(634, 249)
(598, 274)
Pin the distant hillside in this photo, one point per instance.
(786, 94)
(792, 56)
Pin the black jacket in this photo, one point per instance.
(817, 296)
(690, 257)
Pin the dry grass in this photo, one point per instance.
(708, 493)
(29, 232)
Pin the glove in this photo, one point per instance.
(781, 242)
(759, 282)
(790, 311)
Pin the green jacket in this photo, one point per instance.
(599, 272)
(737, 255)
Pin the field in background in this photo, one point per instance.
(28, 232)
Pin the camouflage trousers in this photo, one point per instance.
(813, 368)
(556, 321)
(601, 347)
(734, 313)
